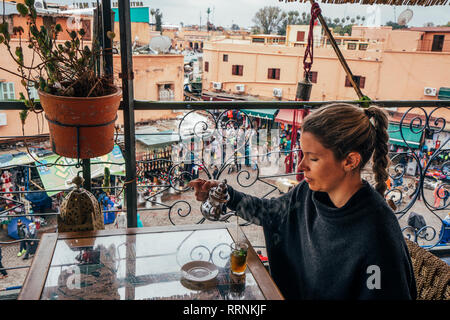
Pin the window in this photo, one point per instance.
(7, 91)
(300, 35)
(438, 43)
(166, 92)
(273, 74)
(258, 40)
(351, 46)
(225, 58)
(363, 46)
(206, 66)
(32, 91)
(237, 70)
(360, 81)
(313, 76)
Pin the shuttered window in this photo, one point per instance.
(360, 81)
(300, 35)
(237, 70)
(273, 73)
(7, 91)
(206, 66)
(312, 76)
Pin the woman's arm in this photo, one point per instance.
(257, 210)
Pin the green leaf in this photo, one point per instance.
(23, 10)
(4, 27)
(2, 38)
(23, 115)
(110, 35)
(29, 3)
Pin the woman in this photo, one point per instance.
(333, 236)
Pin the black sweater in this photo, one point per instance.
(318, 251)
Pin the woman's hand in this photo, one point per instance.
(202, 187)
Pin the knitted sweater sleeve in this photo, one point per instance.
(260, 211)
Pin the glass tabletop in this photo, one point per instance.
(145, 266)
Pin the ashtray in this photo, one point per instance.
(199, 271)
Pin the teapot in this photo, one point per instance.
(213, 208)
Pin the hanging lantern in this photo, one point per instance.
(304, 89)
(80, 210)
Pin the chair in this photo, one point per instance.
(431, 273)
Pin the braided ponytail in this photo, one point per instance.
(380, 155)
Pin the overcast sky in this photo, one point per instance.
(241, 12)
(226, 12)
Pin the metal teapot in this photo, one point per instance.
(213, 208)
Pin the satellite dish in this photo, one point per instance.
(405, 17)
(39, 4)
(160, 44)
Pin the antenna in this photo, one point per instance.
(405, 17)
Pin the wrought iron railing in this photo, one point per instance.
(412, 192)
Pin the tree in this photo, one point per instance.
(395, 25)
(235, 27)
(268, 19)
(292, 17)
(158, 20)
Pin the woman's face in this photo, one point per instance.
(321, 169)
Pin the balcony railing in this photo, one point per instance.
(166, 199)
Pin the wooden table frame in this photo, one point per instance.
(35, 280)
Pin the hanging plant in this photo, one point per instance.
(60, 69)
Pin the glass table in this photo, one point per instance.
(141, 264)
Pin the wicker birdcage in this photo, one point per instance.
(80, 211)
(431, 273)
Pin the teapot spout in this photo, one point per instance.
(224, 217)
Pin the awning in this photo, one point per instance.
(60, 177)
(444, 93)
(287, 115)
(156, 139)
(261, 113)
(410, 136)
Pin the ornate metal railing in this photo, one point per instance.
(258, 171)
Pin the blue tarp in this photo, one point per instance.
(445, 232)
(12, 227)
(39, 201)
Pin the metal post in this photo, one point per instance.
(108, 25)
(126, 57)
(86, 165)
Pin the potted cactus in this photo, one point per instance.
(80, 102)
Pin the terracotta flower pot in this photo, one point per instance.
(93, 119)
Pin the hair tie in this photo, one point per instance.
(370, 114)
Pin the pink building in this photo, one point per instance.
(389, 66)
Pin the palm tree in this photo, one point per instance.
(352, 20)
(337, 20)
